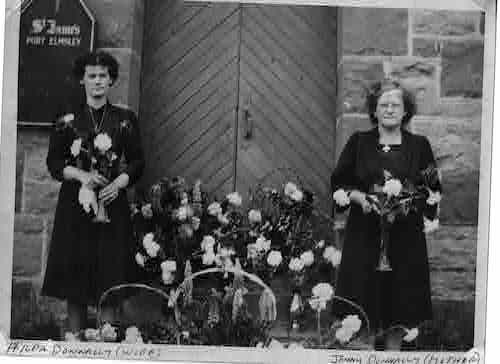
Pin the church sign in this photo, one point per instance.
(53, 33)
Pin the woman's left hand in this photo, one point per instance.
(109, 193)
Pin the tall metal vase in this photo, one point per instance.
(383, 261)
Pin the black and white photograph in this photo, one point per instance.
(271, 177)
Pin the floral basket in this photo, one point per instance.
(242, 315)
(145, 310)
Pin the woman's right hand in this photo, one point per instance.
(92, 180)
(360, 198)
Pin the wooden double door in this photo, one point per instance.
(231, 93)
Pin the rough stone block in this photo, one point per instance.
(32, 138)
(28, 246)
(462, 73)
(462, 107)
(126, 91)
(422, 78)
(452, 260)
(115, 22)
(35, 317)
(23, 305)
(40, 198)
(456, 146)
(356, 76)
(445, 22)
(452, 327)
(426, 47)
(374, 31)
(346, 126)
(35, 165)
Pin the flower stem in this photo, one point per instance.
(319, 325)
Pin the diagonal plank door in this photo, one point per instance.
(188, 91)
(287, 93)
(232, 92)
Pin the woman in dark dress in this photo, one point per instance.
(87, 257)
(401, 296)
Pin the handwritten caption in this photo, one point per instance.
(472, 357)
(84, 350)
(149, 352)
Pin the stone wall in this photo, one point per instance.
(119, 31)
(438, 53)
(439, 56)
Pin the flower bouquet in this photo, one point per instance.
(92, 152)
(394, 199)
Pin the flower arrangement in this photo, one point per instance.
(274, 233)
(167, 227)
(93, 152)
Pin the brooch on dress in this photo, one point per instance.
(386, 148)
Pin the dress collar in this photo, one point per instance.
(406, 149)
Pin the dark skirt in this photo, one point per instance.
(399, 297)
(87, 258)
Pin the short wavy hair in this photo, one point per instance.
(99, 58)
(375, 90)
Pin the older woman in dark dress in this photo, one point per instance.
(401, 296)
(87, 257)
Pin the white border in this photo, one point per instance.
(7, 183)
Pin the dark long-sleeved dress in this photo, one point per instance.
(402, 296)
(86, 258)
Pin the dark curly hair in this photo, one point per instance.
(378, 88)
(99, 58)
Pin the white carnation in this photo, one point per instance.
(222, 219)
(168, 266)
(108, 332)
(214, 209)
(102, 142)
(290, 188)
(411, 335)
(352, 322)
(297, 195)
(140, 259)
(151, 247)
(262, 244)
(68, 118)
(392, 187)
(332, 255)
(323, 291)
(274, 258)
(254, 216)
(76, 147)
(343, 335)
(296, 265)
(133, 336)
(308, 258)
(341, 198)
(234, 199)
